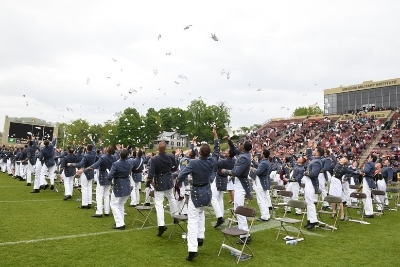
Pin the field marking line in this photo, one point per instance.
(32, 200)
(73, 236)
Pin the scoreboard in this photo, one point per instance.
(18, 132)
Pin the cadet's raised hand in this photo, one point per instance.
(214, 131)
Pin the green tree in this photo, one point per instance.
(305, 111)
(201, 119)
(152, 126)
(129, 128)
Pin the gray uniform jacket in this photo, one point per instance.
(120, 171)
(160, 171)
(201, 170)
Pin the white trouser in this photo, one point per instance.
(352, 190)
(263, 199)
(196, 221)
(29, 170)
(118, 210)
(159, 199)
(68, 185)
(147, 193)
(240, 193)
(103, 198)
(86, 188)
(368, 201)
(322, 186)
(51, 174)
(295, 188)
(346, 192)
(17, 169)
(217, 200)
(23, 170)
(381, 185)
(3, 165)
(135, 196)
(96, 175)
(309, 193)
(38, 170)
(9, 170)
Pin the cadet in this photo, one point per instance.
(368, 184)
(200, 195)
(120, 172)
(47, 156)
(219, 186)
(311, 183)
(69, 172)
(87, 175)
(103, 185)
(262, 186)
(242, 186)
(160, 174)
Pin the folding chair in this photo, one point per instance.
(145, 211)
(358, 206)
(393, 194)
(331, 200)
(180, 218)
(356, 188)
(297, 204)
(377, 202)
(250, 214)
(247, 202)
(282, 194)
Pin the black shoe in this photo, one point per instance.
(45, 187)
(28, 184)
(200, 241)
(35, 191)
(311, 226)
(270, 208)
(106, 214)
(220, 221)
(119, 228)
(97, 215)
(308, 223)
(288, 211)
(52, 187)
(369, 216)
(21, 179)
(262, 220)
(161, 230)
(89, 206)
(83, 207)
(147, 204)
(243, 240)
(192, 255)
(176, 221)
(325, 207)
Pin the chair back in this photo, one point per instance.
(354, 186)
(245, 211)
(333, 199)
(392, 190)
(285, 193)
(358, 195)
(279, 187)
(299, 204)
(378, 192)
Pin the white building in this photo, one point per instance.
(173, 139)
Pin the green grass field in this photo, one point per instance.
(43, 230)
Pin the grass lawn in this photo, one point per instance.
(43, 230)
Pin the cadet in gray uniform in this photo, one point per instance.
(242, 186)
(120, 172)
(200, 195)
(160, 174)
